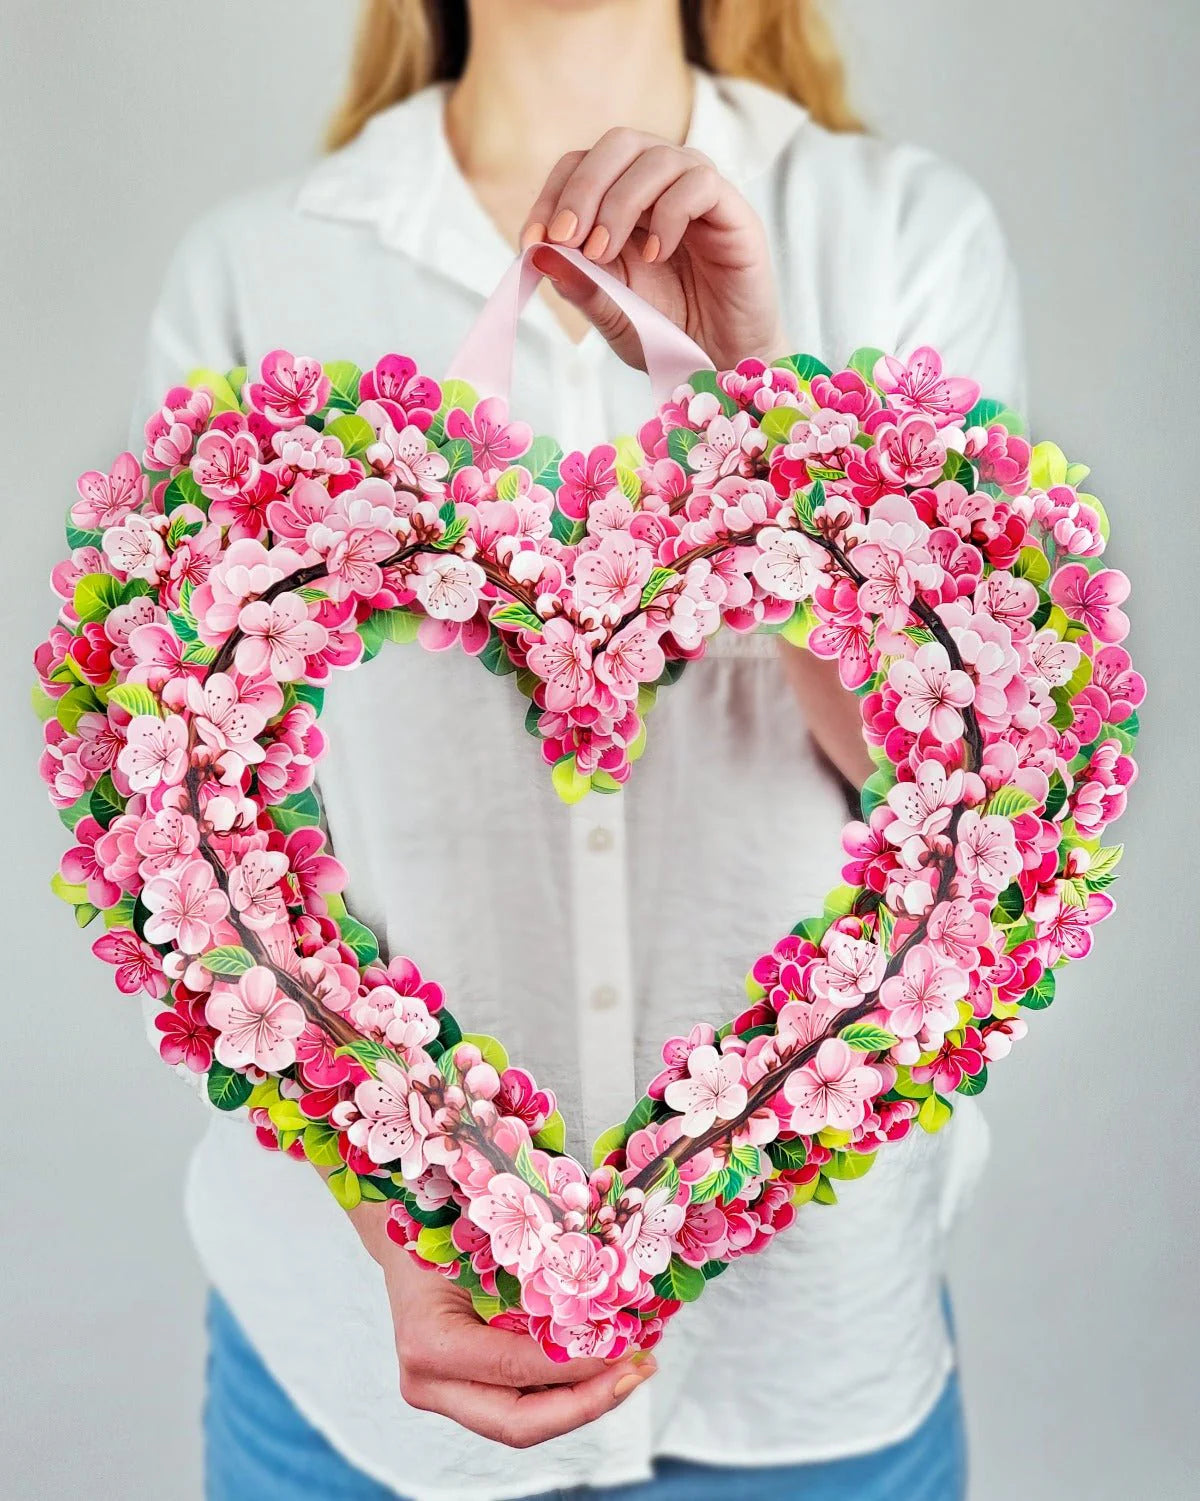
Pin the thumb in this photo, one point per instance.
(601, 311)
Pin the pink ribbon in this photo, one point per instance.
(485, 357)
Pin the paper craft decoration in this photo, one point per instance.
(286, 524)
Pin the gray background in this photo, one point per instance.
(1075, 1275)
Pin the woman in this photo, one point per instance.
(757, 217)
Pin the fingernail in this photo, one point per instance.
(534, 235)
(627, 1384)
(651, 248)
(563, 225)
(596, 243)
(644, 1358)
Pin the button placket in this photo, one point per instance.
(603, 961)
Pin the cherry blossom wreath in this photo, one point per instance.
(883, 516)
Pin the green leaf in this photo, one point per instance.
(78, 536)
(508, 486)
(1008, 802)
(1010, 905)
(641, 1115)
(343, 376)
(1041, 995)
(788, 1156)
(656, 583)
(184, 490)
(85, 913)
(360, 938)
(805, 366)
(495, 657)
(120, 915)
(518, 616)
(565, 530)
(1032, 564)
(137, 699)
(434, 1244)
(298, 811)
(321, 1145)
(706, 381)
(525, 1167)
(369, 1053)
(875, 790)
(1102, 870)
(229, 959)
(492, 1049)
(864, 361)
(96, 596)
(180, 528)
(400, 626)
(865, 1037)
(606, 1143)
(972, 1084)
(680, 442)
(227, 1089)
(203, 656)
(826, 476)
(70, 708)
(680, 1282)
(959, 468)
(69, 817)
(457, 453)
(542, 459)
(824, 1192)
(1056, 797)
(353, 432)
(986, 412)
(629, 484)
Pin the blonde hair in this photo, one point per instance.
(402, 45)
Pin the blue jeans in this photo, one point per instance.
(257, 1447)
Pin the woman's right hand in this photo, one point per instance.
(496, 1382)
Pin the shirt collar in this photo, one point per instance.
(399, 176)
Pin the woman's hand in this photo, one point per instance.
(663, 220)
(496, 1382)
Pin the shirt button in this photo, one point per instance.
(604, 997)
(600, 839)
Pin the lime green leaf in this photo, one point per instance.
(656, 583)
(492, 1050)
(570, 784)
(525, 1167)
(553, 1135)
(1032, 564)
(934, 1113)
(1008, 802)
(865, 1037)
(864, 361)
(353, 432)
(68, 891)
(287, 1115)
(629, 484)
(849, 1165)
(96, 596)
(434, 1244)
(508, 486)
(225, 397)
(343, 377)
(137, 699)
(347, 1190)
(229, 959)
(518, 616)
(608, 1142)
(778, 422)
(824, 1192)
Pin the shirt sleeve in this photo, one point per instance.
(956, 285)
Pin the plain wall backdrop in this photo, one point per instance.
(1075, 1274)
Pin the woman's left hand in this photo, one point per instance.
(663, 220)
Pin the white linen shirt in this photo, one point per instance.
(585, 936)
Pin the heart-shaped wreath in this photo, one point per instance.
(881, 515)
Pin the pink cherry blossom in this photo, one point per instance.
(712, 1091)
(1093, 599)
(258, 1025)
(986, 851)
(609, 579)
(586, 479)
(185, 906)
(138, 966)
(225, 465)
(291, 388)
(495, 441)
(254, 888)
(923, 995)
(276, 637)
(932, 693)
(850, 969)
(448, 586)
(833, 1090)
(108, 499)
(918, 385)
(515, 1219)
(788, 565)
(155, 751)
(396, 1119)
